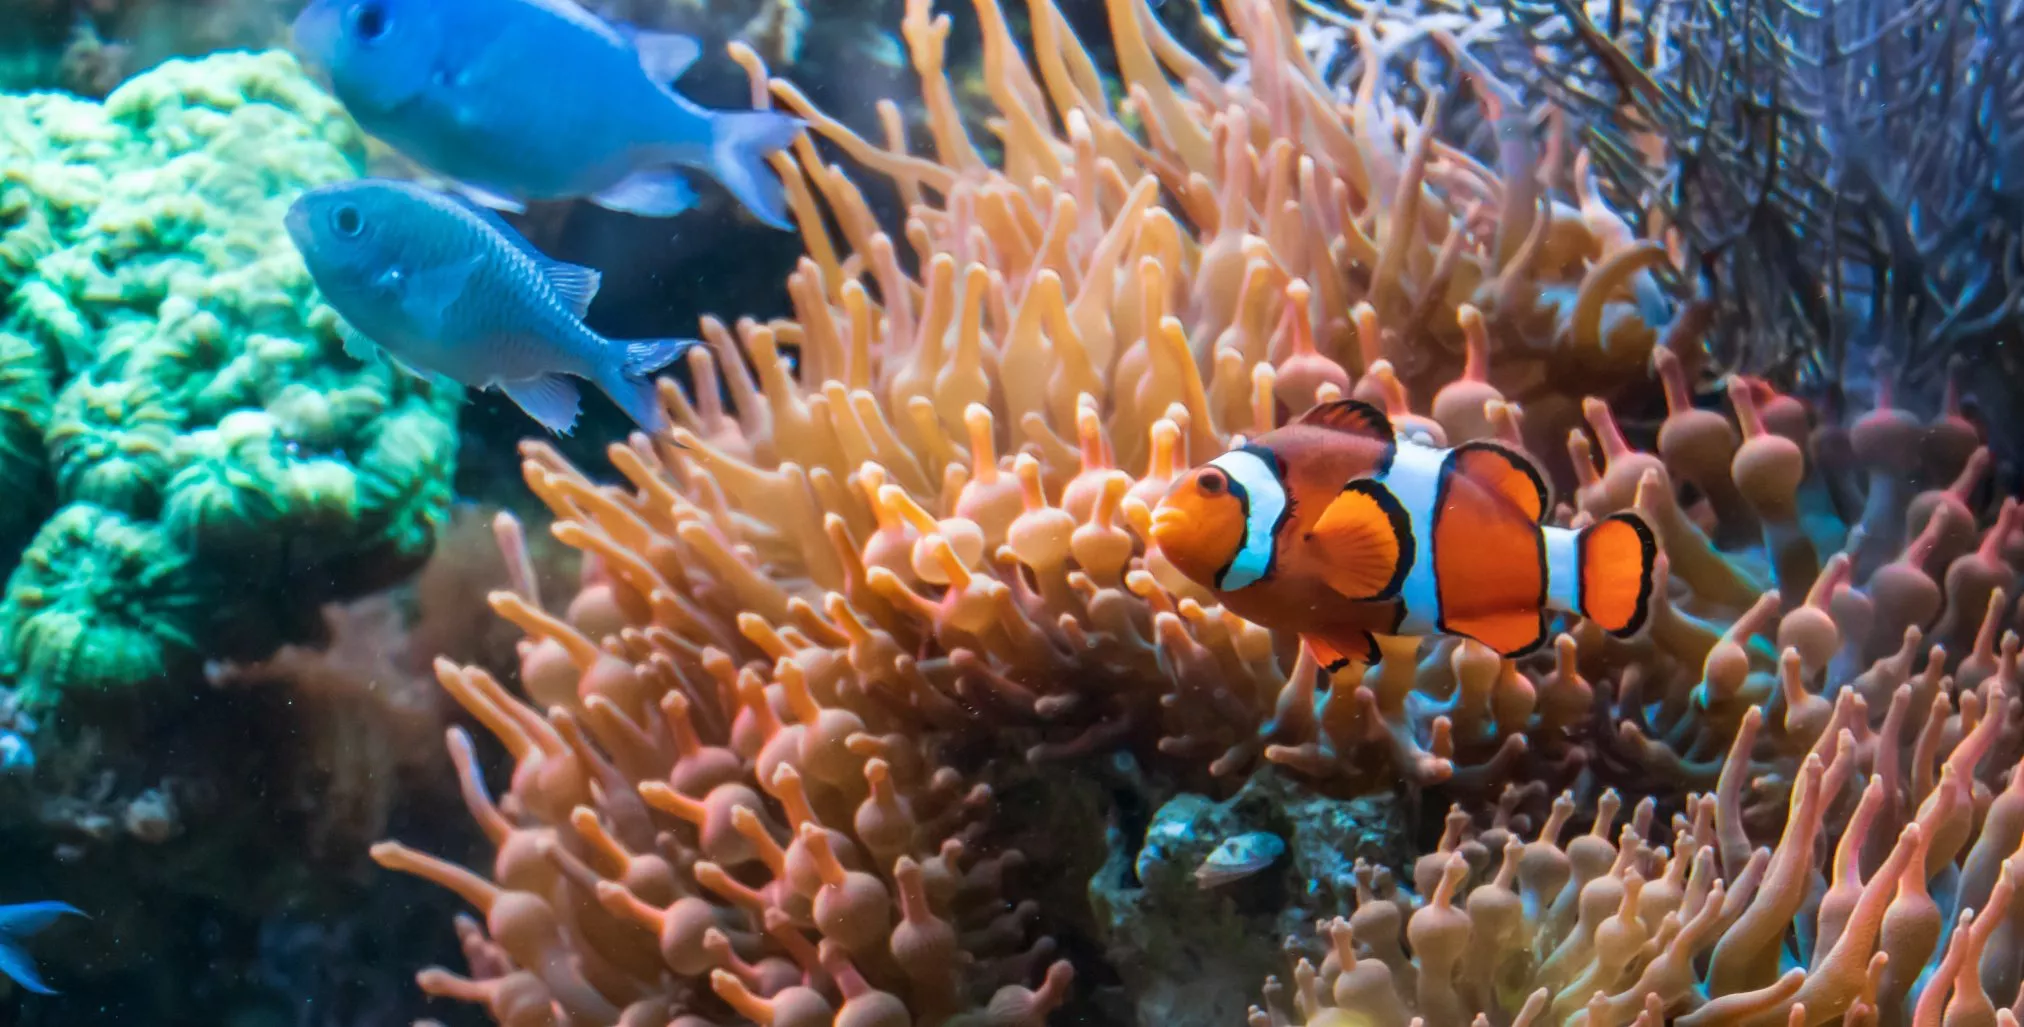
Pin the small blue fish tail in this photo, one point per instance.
(740, 142)
(630, 383)
(645, 356)
(18, 923)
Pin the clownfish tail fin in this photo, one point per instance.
(1617, 569)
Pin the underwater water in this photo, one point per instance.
(901, 513)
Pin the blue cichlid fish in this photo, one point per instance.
(447, 288)
(18, 923)
(519, 100)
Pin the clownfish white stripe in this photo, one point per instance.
(1255, 480)
(1414, 477)
(1563, 569)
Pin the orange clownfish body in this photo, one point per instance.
(1334, 528)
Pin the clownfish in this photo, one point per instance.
(1333, 527)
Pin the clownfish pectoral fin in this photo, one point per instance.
(1365, 541)
(1512, 634)
(1618, 565)
(1336, 653)
(1505, 472)
(1352, 416)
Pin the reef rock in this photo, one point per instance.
(1185, 950)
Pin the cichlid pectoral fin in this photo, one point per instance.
(434, 378)
(356, 344)
(551, 400)
(664, 56)
(649, 193)
(429, 291)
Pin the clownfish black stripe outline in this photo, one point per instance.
(1648, 553)
(1242, 495)
(1402, 529)
(1449, 468)
(1442, 479)
(1266, 474)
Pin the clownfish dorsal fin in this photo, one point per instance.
(1351, 416)
(1505, 472)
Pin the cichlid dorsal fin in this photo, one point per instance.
(1351, 416)
(485, 201)
(574, 284)
(1505, 472)
(664, 56)
(489, 214)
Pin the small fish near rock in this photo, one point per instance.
(18, 923)
(446, 288)
(525, 100)
(1239, 857)
(1339, 529)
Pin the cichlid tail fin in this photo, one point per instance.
(645, 356)
(18, 924)
(740, 142)
(628, 380)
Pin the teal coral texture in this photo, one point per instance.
(191, 464)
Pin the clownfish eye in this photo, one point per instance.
(1212, 483)
(369, 20)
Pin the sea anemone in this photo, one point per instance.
(927, 531)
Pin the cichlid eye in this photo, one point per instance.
(1212, 483)
(369, 20)
(347, 221)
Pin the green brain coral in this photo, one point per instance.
(191, 464)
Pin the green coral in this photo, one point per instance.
(171, 384)
(99, 602)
